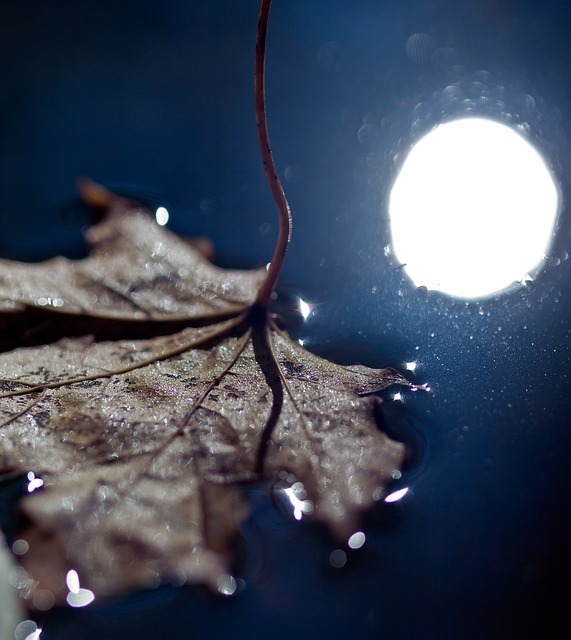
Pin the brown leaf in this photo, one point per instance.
(140, 443)
(137, 271)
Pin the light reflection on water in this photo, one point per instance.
(226, 585)
(292, 496)
(20, 547)
(34, 483)
(304, 308)
(162, 216)
(77, 596)
(397, 495)
(411, 560)
(411, 366)
(27, 630)
(473, 209)
(357, 540)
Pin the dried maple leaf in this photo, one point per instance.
(140, 444)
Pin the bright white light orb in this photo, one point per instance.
(473, 209)
(162, 216)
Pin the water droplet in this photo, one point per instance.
(80, 599)
(226, 585)
(397, 495)
(161, 216)
(411, 366)
(27, 630)
(72, 581)
(33, 482)
(20, 547)
(292, 496)
(338, 558)
(357, 540)
(304, 308)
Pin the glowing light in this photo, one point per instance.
(296, 495)
(397, 495)
(80, 599)
(33, 482)
(473, 209)
(72, 581)
(410, 366)
(77, 596)
(357, 540)
(304, 308)
(397, 397)
(54, 302)
(161, 216)
(226, 585)
(27, 630)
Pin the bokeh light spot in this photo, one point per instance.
(162, 216)
(473, 209)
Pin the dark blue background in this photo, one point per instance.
(156, 97)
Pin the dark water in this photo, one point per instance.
(155, 98)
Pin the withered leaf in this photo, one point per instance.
(141, 444)
(136, 271)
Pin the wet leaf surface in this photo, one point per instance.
(141, 444)
(158, 384)
(137, 271)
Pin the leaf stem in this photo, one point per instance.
(268, 285)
